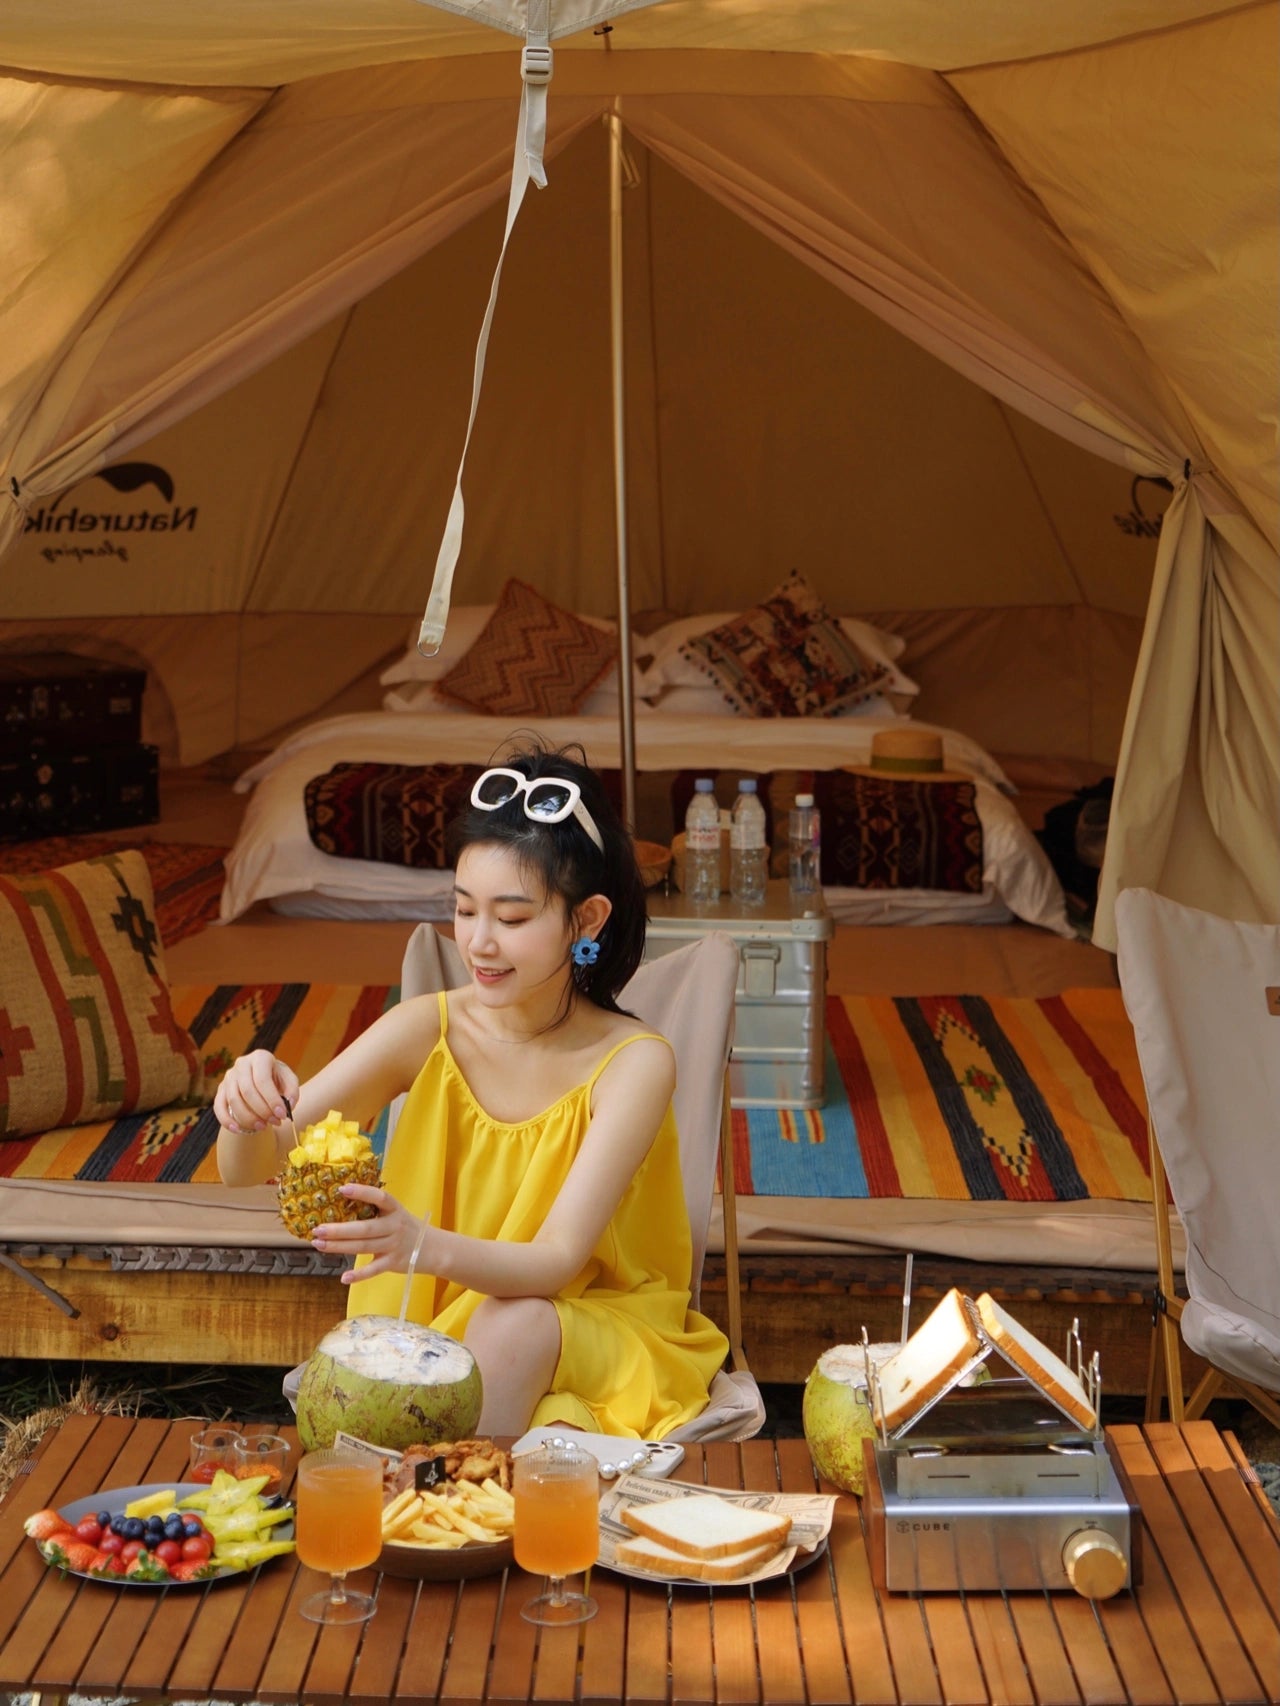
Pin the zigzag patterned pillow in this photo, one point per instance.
(87, 1030)
(532, 659)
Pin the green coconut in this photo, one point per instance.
(392, 1383)
(837, 1414)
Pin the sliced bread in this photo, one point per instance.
(934, 1354)
(705, 1526)
(645, 1554)
(1036, 1360)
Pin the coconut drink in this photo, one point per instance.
(837, 1412)
(392, 1383)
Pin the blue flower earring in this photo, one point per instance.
(585, 951)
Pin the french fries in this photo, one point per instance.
(460, 1513)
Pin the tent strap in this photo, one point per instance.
(527, 164)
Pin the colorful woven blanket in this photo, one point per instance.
(186, 877)
(963, 1098)
(952, 1097)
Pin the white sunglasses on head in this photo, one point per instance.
(547, 799)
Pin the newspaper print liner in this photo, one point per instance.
(810, 1513)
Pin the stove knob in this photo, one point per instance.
(1095, 1563)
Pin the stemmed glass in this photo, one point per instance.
(557, 1526)
(339, 1528)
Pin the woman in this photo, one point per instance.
(532, 1193)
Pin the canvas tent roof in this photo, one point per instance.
(1072, 205)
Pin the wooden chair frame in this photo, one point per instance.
(1165, 1366)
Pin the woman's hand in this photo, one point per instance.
(253, 1092)
(393, 1239)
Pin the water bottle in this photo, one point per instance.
(748, 852)
(702, 843)
(804, 834)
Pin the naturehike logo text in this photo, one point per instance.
(122, 477)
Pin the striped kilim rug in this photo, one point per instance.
(952, 1097)
(960, 1097)
(186, 877)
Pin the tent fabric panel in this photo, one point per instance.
(188, 528)
(86, 174)
(1193, 203)
(303, 215)
(283, 41)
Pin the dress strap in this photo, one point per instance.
(639, 1037)
(441, 997)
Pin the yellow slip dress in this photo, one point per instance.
(635, 1360)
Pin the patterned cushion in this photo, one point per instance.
(394, 813)
(87, 1030)
(787, 657)
(532, 659)
(888, 833)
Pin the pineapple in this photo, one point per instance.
(332, 1153)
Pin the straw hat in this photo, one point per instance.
(908, 755)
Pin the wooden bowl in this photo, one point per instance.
(654, 861)
(421, 1563)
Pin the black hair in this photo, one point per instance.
(568, 863)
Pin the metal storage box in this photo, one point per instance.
(779, 1047)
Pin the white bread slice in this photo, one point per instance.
(1026, 1352)
(645, 1554)
(934, 1354)
(705, 1526)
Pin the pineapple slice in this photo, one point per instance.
(332, 1153)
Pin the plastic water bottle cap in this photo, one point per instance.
(804, 801)
(704, 785)
(747, 785)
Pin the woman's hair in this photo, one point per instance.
(568, 863)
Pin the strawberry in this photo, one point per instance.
(193, 1570)
(106, 1564)
(67, 1554)
(44, 1525)
(146, 1567)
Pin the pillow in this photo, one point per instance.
(87, 1030)
(464, 627)
(532, 659)
(668, 667)
(787, 657)
(396, 813)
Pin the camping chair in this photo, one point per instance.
(688, 995)
(1203, 994)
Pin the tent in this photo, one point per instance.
(896, 279)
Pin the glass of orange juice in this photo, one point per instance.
(557, 1526)
(338, 1495)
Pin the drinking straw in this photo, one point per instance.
(408, 1278)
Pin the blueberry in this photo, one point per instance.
(190, 1528)
(155, 1525)
(117, 1525)
(172, 1529)
(134, 1528)
(103, 1519)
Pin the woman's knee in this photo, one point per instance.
(524, 1328)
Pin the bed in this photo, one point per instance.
(783, 688)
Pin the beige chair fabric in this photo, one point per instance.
(689, 997)
(1204, 997)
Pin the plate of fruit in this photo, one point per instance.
(166, 1534)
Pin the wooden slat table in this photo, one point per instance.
(1203, 1628)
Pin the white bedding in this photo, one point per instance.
(274, 859)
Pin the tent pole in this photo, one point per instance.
(626, 701)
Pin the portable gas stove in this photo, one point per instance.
(993, 1486)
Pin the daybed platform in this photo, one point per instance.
(194, 1272)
